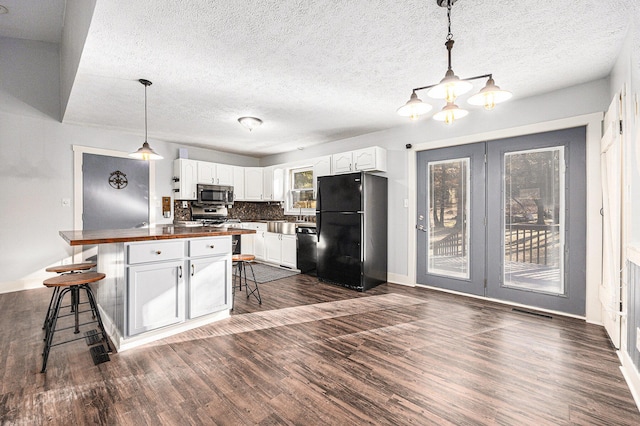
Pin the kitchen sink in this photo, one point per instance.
(282, 227)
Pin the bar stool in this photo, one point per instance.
(240, 262)
(73, 283)
(73, 268)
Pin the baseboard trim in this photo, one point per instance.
(399, 279)
(631, 376)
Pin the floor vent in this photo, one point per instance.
(537, 314)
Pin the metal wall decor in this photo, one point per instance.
(118, 180)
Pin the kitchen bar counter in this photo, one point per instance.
(153, 233)
(160, 280)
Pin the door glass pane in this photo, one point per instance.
(448, 207)
(534, 220)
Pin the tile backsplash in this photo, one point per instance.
(242, 210)
(256, 211)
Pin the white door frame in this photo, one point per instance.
(593, 123)
(78, 151)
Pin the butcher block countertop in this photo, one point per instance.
(158, 232)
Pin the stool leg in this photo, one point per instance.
(96, 313)
(52, 328)
(53, 297)
(255, 291)
(75, 299)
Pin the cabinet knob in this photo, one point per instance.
(212, 246)
(158, 252)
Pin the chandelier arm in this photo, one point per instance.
(463, 79)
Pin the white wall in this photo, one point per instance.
(36, 162)
(570, 102)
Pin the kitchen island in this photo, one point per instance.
(160, 280)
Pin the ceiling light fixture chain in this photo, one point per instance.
(450, 35)
(451, 86)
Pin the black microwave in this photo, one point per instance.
(215, 194)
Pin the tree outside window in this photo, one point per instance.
(301, 191)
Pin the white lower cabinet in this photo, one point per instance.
(208, 289)
(280, 249)
(254, 243)
(169, 282)
(155, 295)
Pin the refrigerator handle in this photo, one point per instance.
(318, 226)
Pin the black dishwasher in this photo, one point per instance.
(307, 253)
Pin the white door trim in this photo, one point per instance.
(593, 123)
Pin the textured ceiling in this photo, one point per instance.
(39, 20)
(318, 71)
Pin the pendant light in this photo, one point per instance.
(452, 86)
(145, 152)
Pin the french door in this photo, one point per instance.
(506, 219)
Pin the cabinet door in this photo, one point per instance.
(209, 285)
(155, 296)
(238, 183)
(186, 171)
(289, 255)
(342, 163)
(273, 247)
(372, 158)
(267, 184)
(258, 245)
(206, 172)
(224, 174)
(253, 183)
(247, 244)
(278, 184)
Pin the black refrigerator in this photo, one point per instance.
(351, 221)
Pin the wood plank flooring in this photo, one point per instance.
(318, 354)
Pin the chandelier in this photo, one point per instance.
(452, 86)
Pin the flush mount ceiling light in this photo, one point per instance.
(145, 152)
(452, 86)
(250, 122)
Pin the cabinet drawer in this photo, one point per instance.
(209, 246)
(154, 252)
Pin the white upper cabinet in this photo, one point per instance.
(273, 184)
(185, 174)
(267, 183)
(253, 184)
(224, 174)
(367, 159)
(213, 173)
(238, 183)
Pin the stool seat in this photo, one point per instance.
(73, 279)
(242, 257)
(72, 283)
(70, 268)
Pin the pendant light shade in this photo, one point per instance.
(414, 107)
(489, 95)
(449, 88)
(145, 152)
(450, 112)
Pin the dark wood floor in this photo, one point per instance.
(316, 354)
